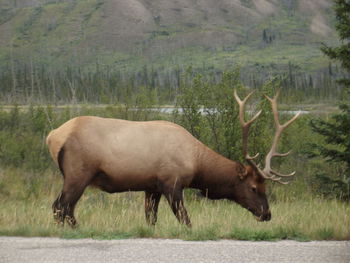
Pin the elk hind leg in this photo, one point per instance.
(77, 177)
(63, 207)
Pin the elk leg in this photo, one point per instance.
(63, 207)
(151, 207)
(58, 210)
(77, 176)
(176, 203)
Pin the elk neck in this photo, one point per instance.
(216, 175)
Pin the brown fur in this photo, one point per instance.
(158, 157)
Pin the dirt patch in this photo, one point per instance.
(124, 23)
(313, 6)
(318, 26)
(264, 7)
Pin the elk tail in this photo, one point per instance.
(60, 158)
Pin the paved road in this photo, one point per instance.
(14, 249)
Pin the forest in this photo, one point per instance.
(33, 83)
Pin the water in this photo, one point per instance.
(203, 111)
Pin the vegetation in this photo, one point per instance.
(335, 130)
(29, 182)
(33, 83)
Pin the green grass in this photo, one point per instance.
(115, 216)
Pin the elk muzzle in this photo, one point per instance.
(264, 216)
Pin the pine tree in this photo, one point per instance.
(336, 130)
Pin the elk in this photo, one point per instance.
(159, 158)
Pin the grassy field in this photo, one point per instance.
(25, 210)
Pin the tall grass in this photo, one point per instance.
(111, 216)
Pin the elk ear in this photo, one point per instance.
(243, 172)
(242, 176)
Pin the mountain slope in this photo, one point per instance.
(131, 33)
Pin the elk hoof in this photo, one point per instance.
(58, 217)
(71, 221)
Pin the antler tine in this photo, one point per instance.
(268, 173)
(282, 175)
(272, 177)
(278, 180)
(241, 104)
(254, 157)
(245, 127)
(291, 120)
(282, 154)
(273, 102)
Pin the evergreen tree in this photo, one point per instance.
(336, 130)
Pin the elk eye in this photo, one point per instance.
(254, 189)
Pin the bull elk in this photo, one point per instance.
(159, 158)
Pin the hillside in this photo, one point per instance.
(166, 33)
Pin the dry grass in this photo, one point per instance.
(106, 216)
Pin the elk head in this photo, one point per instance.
(251, 188)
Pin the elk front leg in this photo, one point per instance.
(151, 206)
(175, 199)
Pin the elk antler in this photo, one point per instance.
(267, 172)
(245, 128)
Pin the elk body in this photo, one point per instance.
(159, 158)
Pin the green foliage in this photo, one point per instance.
(326, 233)
(143, 231)
(247, 3)
(336, 130)
(341, 53)
(209, 110)
(21, 138)
(189, 101)
(275, 234)
(333, 188)
(336, 134)
(221, 113)
(28, 23)
(205, 233)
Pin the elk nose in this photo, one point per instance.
(266, 216)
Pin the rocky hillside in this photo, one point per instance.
(165, 33)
